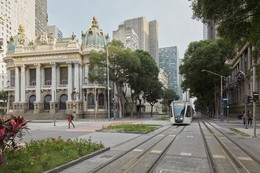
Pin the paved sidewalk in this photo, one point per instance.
(238, 124)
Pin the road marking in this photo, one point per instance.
(223, 137)
(161, 135)
(156, 151)
(172, 135)
(219, 157)
(189, 136)
(244, 158)
(209, 137)
(138, 150)
(186, 154)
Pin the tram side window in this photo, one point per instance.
(188, 114)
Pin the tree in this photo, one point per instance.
(153, 93)
(209, 55)
(123, 65)
(169, 95)
(238, 21)
(147, 73)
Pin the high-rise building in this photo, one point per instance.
(41, 17)
(209, 31)
(169, 61)
(30, 14)
(127, 36)
(147, 34)
(55, 31)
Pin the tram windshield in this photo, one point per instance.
(179, 109)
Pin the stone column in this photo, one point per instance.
(17, 85)
(23, 84)
(70, 81)
(76, 76)
(38, 104)
(38, 82)
(23, 103)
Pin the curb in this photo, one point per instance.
(74, 162)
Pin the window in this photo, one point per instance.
(63, 100)
(91, 102)
(63, 75)
(101, 100)
(12, 78)
(47, 76)
(33, 77)
(47, 100)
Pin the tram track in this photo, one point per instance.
(231, 149)
(135, 157)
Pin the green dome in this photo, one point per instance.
(94, 37)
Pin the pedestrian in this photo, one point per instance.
(70, 121)
(245, 119)
(249, 118)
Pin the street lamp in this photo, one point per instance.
(108, 98)
(221, 92)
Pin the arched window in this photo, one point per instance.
(101, 100)
(91, 101)
(63, 99)
(47, 100)
(31, 102)
(11, 106)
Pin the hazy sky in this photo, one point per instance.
(175, 24)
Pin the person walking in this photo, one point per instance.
(70, 121)
(245, 119)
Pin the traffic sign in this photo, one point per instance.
(225, 99)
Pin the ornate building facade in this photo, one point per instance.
(50, 76)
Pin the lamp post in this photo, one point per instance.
(54, 99)
(221, 92)
(245, 83)
(108, 98)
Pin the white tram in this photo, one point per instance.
(181, 112)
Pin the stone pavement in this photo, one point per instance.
(114, 139)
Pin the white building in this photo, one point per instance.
(46, 72)
(127, 36)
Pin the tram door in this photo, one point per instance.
(31, 102)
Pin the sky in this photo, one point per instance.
(175, 24)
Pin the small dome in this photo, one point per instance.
(94, 37)
(19, 39)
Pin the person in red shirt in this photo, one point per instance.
(70, 121)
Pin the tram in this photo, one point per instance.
(181, 112)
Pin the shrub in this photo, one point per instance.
(10, 128)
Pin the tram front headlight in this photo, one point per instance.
(181, 118)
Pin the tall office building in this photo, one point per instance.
(30, 14)
(209, 31)
(41, 17)
(169, 61)
(147, 35)
(127, 36)
(55, 31)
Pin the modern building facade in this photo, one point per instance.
(41, 17)
(169, 61)
(54, 31)
(127, 36)
(147, 35)
(51, 76)
(209, 31)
